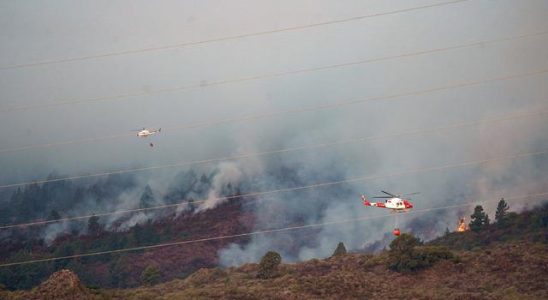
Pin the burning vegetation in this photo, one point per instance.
(494, 263)
(462, 227)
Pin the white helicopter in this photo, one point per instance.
(396, 203)
(146, 132)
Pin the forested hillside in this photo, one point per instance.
(505, 260)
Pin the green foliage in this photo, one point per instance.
(24, 276)
(82, 272)
(94, 228)
(54, 215)
(429, 255)
(404, 243)
(145, 234)
(53, 200)
(401, 256)
(341, 250)
(501, 213)
(525, 226)
(62, 250)
(479, 219)
(407, 254)
(269, 265)
(150, 276)
(119, 271)
(147, 198)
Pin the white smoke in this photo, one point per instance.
(375, 37)
(228, 173)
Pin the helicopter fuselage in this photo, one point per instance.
(394, 204)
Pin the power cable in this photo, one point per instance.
(263, 76)
(255, 194)
(258, 116)
(226, 38)
(271, 152)
(268, 231)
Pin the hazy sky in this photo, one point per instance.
(43, 31)
(31, 32)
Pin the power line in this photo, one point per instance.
(271, 152)
(266, 76)
(226, 38)
(343, 221)
(258, 116)
(318, 185)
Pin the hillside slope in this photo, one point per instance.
(507, 261)
(512, 270)
(124, 269)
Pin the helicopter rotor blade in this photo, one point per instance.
(390, 194)
(411, 194)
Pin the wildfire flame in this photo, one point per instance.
(462, 226)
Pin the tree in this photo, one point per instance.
(479, 219)
(145, 233)
(64, 249)
(341, 250)
(407, 254)
(147, 198)
(119, 271)
(501, 214)
(402, 256)
(26, 203)
(54, 215)
(94, 228)
(204, 179)
(150, 276)
(269, 265)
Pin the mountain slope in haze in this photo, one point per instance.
(125, 269)
(498, 262)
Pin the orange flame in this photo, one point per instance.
(462, 226)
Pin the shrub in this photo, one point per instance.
(150, 275)
(269, 265)
(402, 256)
(428, 255)
(407, 254)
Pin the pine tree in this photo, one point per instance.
(500, 215)
(94, 228)
(147, 198)
(54, 215)
(148, 234)
(479, 219)
(341, 250)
